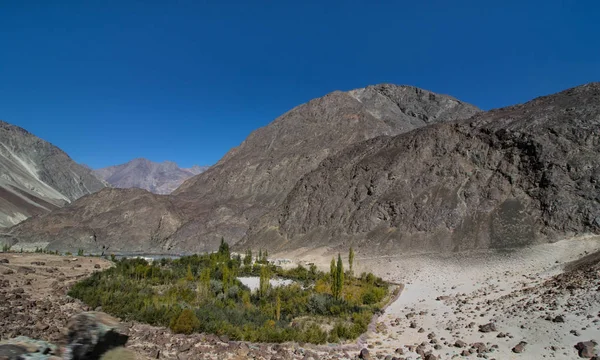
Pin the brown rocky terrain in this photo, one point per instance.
(509, 177)
(250, 180)
(37, 177)
(158, 178)
(105, 222)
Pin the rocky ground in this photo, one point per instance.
(533, 303)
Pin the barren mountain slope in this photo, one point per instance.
(36, 176)
(159, 178)
(110, 220)
(512, 176)
(256, 176)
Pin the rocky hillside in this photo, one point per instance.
(514, 176)
(36, 176)
(110, 220)
(159, 178)
(256, 176)
(253, 178)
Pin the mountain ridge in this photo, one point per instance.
(508, 177)
(159, 178)
(36, 176)
(256, 176)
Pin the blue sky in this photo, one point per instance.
(108, 81)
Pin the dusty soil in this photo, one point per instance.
(33, 288)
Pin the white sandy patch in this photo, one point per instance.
(253, 282)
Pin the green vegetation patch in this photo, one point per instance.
(201, 293)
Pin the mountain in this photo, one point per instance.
(509, 177)
(37, 177)
(253, 178)
(159, 178)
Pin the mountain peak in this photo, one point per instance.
(159, 178)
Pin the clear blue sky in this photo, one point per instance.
(108, 81)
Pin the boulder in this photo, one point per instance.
(585, 349)
(364, 354)
(90, 334)
(520, 347)
(489, 327)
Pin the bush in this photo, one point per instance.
(185, 323)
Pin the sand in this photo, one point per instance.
(483, 287)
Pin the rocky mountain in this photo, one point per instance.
(250, 180)
(36, 176)
(159, 178)
(514, 176)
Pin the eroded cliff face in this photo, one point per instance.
(508, 177)
(36, 176)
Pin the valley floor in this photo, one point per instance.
(526, 294)
(447, 297)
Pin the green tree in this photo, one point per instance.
(226, 278)
(185, 323)
(339, 278)
(333, 275)
(205, 281)
(351, 260)
(277, 308)
(189, 275)
(248, 258)
(224, 249)
(265, 277)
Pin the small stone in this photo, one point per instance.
(520, 347)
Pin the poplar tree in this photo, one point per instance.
(333, 274)
(278, 308)
(351, 260)
(265, 277)
(189, 276)
(339, 278)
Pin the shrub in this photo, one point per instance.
(185, 323)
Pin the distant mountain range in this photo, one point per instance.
(386, 169)
(158, 178)
(37, 177)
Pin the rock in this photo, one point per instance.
(26, 345)
(91, 334)
(243, 350)
(97, 266)
(559, 319)
(585, 348)
(25, 270)
(364, 354)
(38, 263)
(489, 327)
(430, 357)
(520, 347)
(480, 347)
(4, 261)
(460, 344)
(7, 272)
(10, 351)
